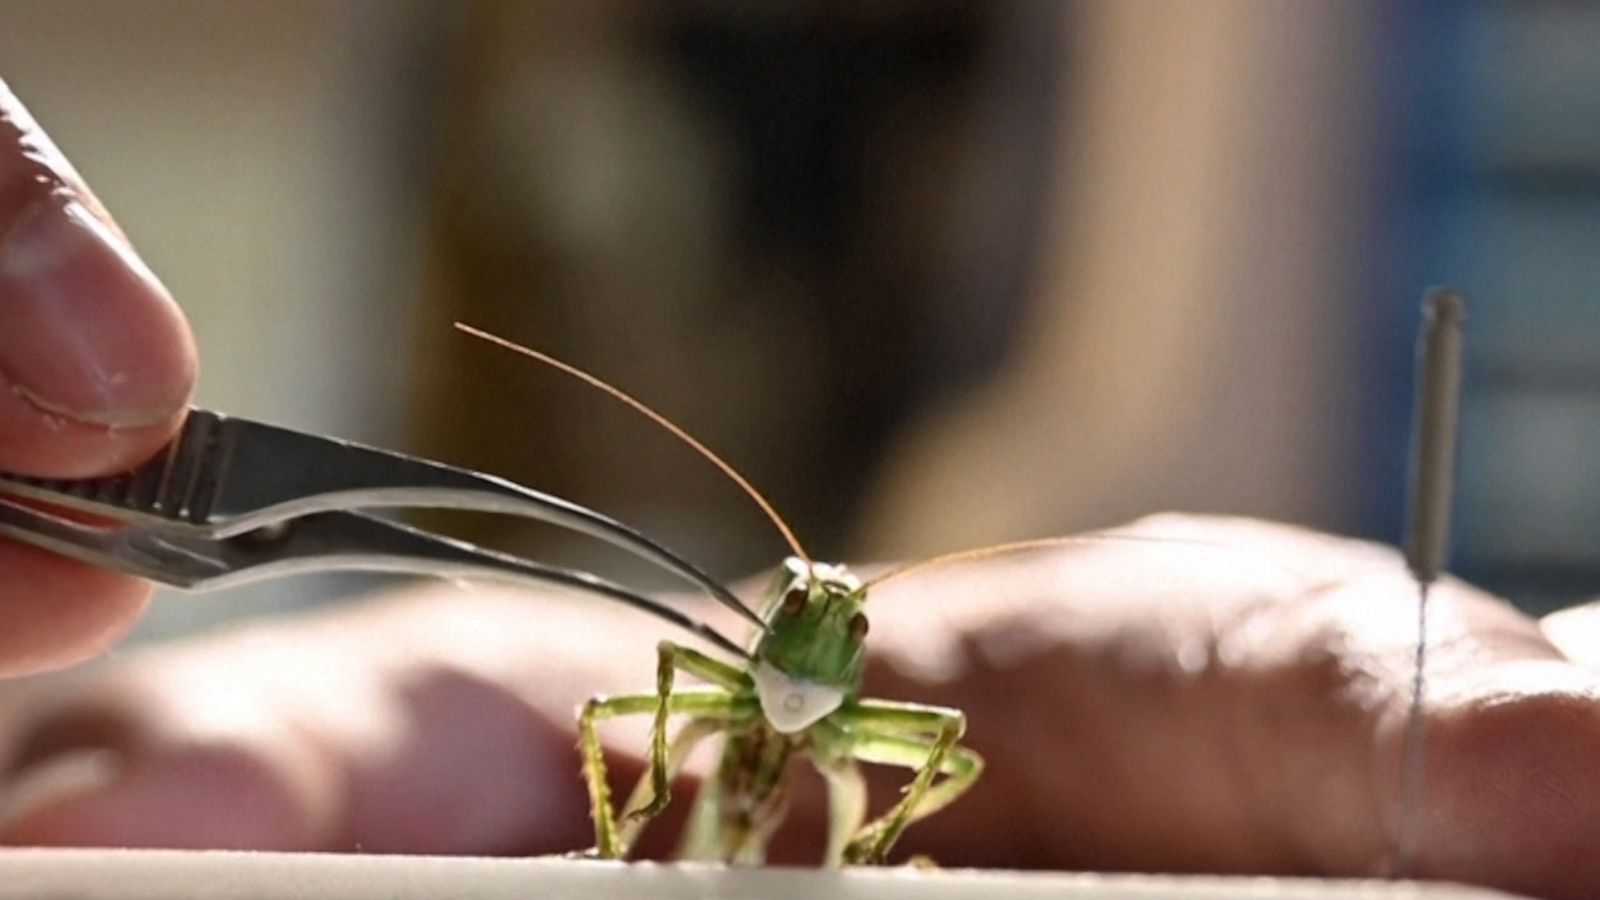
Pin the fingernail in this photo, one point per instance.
(89, 334)
(53, 780)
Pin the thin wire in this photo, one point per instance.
(659, 419)
(1434, 435)
(1414, 769)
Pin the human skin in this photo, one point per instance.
(1234, 704)
(96, 368)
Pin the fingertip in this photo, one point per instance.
(206, 797)
(58, 612)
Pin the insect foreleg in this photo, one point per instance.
(683, 743)
(897, 734)
(703, 703)
(711, 670)
(669, 659)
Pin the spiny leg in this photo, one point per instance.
(898, 734)
(706, 703)
(683, 743)
(669, 658)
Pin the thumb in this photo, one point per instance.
(96, 362)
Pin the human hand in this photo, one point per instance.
(96, 368)
(1161, 707)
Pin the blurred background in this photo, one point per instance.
(932, 273)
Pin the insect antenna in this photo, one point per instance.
(671, 427)
(659, 419)
(993, 550)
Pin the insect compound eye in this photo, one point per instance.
(795, 601)
(858, 626)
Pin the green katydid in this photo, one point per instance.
(800, 695)
(796, 694)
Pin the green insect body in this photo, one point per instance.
(799, 695)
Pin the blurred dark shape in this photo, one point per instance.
(785, 227)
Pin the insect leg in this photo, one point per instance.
(683, 743)
(847, 805)
(711, 670)
(898, 734)
(751, 847)
(702, 703)
(922, 798)
(669, 658)
(744, 802)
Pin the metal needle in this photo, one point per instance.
(1427, 541)
(1433, 448)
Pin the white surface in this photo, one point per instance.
(172, 875)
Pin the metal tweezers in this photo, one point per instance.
(231, 501)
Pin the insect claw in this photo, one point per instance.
(863, 853)
(649, 810)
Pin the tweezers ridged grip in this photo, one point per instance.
(179, 485)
